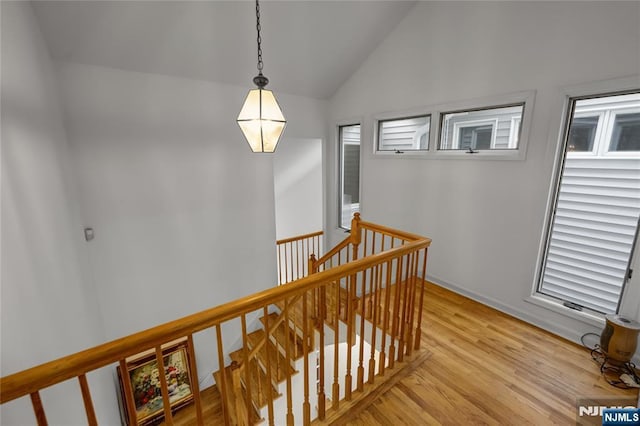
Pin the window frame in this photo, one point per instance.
(631, 291)
(402, 115)
(596, 137)
(519, 153)
(606, 150)
(340, 170)
(436, 113)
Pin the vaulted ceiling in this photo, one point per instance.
(310, 47)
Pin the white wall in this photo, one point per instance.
(297, 175)
(48, 301)
(485, 217)
(183, 211)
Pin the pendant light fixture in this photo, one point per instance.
(260, 118)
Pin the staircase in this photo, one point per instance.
(303, 350)
(260, 380)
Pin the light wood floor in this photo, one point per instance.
(488, 368)
(484, 368)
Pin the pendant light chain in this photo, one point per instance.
(259, 37)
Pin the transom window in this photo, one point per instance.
(404, 134)
(599, 128)
(491, 128)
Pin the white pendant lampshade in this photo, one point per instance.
(261, 120)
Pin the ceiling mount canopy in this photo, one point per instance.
(261, 119)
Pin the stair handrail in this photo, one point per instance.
(300, 237)
(355, 236)
(32, 380)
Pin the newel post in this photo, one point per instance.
(356, 234)
(311, 269)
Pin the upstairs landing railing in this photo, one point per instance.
(293, 255)
(383, 284)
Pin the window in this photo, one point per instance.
(492, 128)
(582, 133)
(626, 133)
(349, 173)
(594, 220)
(401, 135)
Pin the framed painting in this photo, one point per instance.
(144, 377)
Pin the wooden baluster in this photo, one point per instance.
(394, 314)
(164, 388)
(256, 373)
(348, 379)
(422, 284)
(335, 391)
(306, 407)
(315, 244)
(237, 392)
(287, 351)
(385, 320)
(291, 262)
(322, 398)
(286, 263)
(269, 375)
(222, 387)
(128, 393)
(403, 309)
(38, 409)
(280, 264)
(297, 246)
(86, 398)
(373, 245)
(360, 379)
(412, 297)
(315, 294)
(195, 386)
(272, 349)
(364, 244)
(246, 365)
(374, 321)
(295, 326)
(314, 247)
(379, 308)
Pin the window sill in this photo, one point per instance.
(454, 155)
(591, 318)
(393, 154)
(512, 154)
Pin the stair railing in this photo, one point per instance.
(293, 254)
(382, 288)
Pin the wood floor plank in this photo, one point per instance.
(488, 368)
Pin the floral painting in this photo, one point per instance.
(144, 377)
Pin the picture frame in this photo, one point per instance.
(144, 381)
